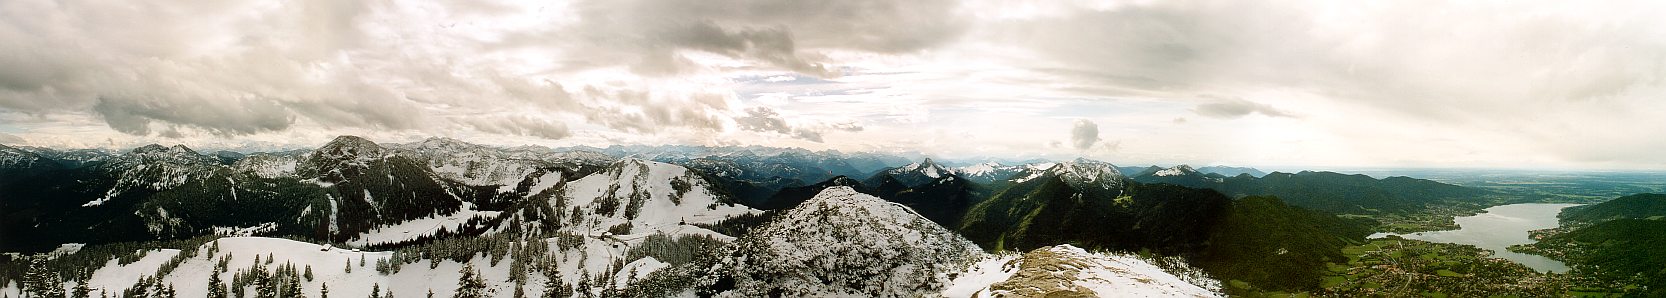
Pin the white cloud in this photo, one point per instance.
(1398, 83)
(1084, 134)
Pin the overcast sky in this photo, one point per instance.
(1506, 84)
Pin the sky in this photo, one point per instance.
(1486, 84)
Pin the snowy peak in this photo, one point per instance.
(444, 144)
(914, 174)
(1180, 170)
(980, 169)
(1085, 174)
(349, 147)
(178, 154)
(927, 168)
(845, 243)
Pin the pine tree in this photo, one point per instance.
(42, 282)
(349, 265)
(376, 291)
(470, 285)
(168, 292)
(324, 290)
(81, 290)
(268, 258)
(430, 293)
(292, 288)
(264, 287)
(519, 292)
(388, 294)
(361, 260)
(308, 273)
(216, 287)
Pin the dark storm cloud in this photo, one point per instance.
(227, 117)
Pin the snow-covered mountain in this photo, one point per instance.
(1181, 175)
(1179, 170)
(270, 165)
(845, 243)
(19, 159)
(479, 165)
(72, 158)
(989, 172)
(156, 168)
(643, 195)
(912, 175)
(1080, 174)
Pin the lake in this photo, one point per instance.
(1498, 229)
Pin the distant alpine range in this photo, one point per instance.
(446, 217)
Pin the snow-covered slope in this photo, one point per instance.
(1179, 170)
(469, 163)
(270, 165)
(19, 159)
(912, 175)
(1068, 271)
(650, 196)
(154, 167)
(845, 243)
(652, 199)
(1089, 174)
(988, 172)
(328, 267)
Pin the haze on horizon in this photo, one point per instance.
(1518, 84)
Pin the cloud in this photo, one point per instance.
(766, 119)
(790, 35)
(9, 139)
(522, 126)
(1234, 108)
(1083, 134)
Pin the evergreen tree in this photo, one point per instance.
(292, 288)
(264, 287)
(375, 290)
(324, 290)
(361, 260)
(430, 293)
(268, 258)
(308, 273)
(388, 294)
(554, 287)
(519, 292)
(349, 265)
(168, 292)
(470, 285)
(216, 287)
(81, 290)
(583, 288)
(41, 282)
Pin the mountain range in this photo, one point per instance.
(743, 221)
